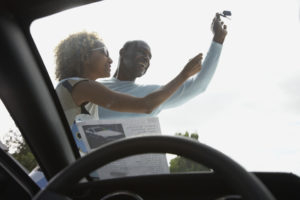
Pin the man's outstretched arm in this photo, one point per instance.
(198, 84)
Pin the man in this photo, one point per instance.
(134, 62)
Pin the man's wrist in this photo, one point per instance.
(219, 38)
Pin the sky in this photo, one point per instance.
(251, 108)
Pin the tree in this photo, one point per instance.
(181, 164)
(18, 148)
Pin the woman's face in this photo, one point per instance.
(99, 63)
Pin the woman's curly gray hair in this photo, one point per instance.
(72, 53)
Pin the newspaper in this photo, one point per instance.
(94, 133)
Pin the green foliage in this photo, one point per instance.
(186, 134)
(181, 164)
(20, 150)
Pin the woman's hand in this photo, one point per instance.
(193, 66)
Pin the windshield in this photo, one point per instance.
(250, 109)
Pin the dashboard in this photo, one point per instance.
(188, 186)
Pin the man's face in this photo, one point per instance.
(136, 59)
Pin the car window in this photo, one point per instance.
(13, 143)
(250, 110)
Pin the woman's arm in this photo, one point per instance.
(92, 91)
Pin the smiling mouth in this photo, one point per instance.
(142, 64)
(141, 61)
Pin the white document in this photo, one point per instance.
(95, 133)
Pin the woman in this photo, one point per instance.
(81, 59)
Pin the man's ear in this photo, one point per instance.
(121, 52)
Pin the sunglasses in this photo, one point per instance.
(103, 50)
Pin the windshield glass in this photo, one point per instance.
(250, 109)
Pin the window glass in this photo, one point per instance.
(12, 142)
(250, 110)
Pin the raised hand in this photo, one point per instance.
(219, 29)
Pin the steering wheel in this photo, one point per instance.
(244, 182)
